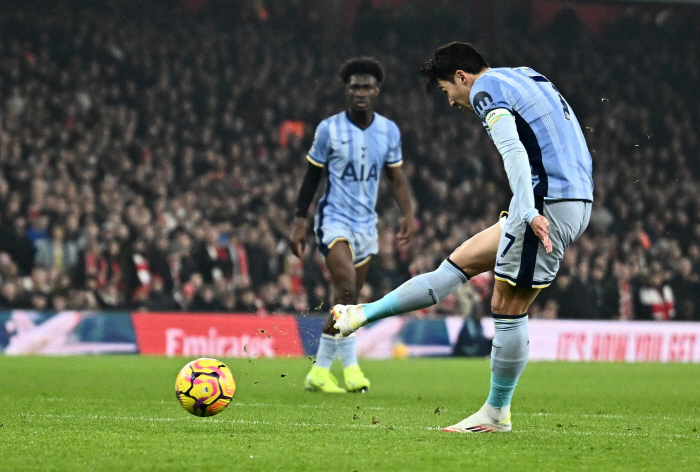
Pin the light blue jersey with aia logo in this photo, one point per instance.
(560, 163)
(353, 159)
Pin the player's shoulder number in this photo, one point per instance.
(543, 80)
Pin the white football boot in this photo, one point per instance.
(348, 318)
(483, 422)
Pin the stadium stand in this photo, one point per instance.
(150, 155)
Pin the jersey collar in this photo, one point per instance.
(374, 118)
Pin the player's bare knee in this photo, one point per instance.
(503, 302)
(511, 309)
(510, 300)
(499, 305)
(478, 253)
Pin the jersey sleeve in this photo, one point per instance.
(318, 154)
(489, 94)
(394, 157)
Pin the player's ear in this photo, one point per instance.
(460, 77)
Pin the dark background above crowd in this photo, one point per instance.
(151, 152)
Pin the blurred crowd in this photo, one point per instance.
(150, 156)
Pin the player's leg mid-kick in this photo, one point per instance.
(474, 256)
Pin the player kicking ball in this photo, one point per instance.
(353, 147)
(549, 171)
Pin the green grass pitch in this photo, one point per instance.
(120, 413)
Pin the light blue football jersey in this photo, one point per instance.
(560, 162)
(353, 159)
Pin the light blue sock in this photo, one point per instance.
(327, 348)
(420, 292)
(382, 308)
(501, 392)
(347, 351)
(511, 347)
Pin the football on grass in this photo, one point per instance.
(205, 387)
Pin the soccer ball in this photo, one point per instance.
(205, 387)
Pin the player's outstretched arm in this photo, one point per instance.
(505, 136)
(297, 236)
(400, 190)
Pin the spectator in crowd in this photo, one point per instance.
(656, 299)
(206, 300)
(620, 294)
(159, 299)
(59, 302)
(39, 301)
(248, 302)
(38, 227)
(20, 247)
(685, 285)
(110, 297)
(55, 252)
(186, 297)
(10, 296)
(213, 258)
(228, 302)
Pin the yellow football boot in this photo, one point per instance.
(355, 380)
(320, 379)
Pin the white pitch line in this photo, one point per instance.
(269, 405)
(563, 431)
(382, 408)
(534, 414)
(262, 405)
(238, 421)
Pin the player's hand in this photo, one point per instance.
(540, 226)
(406, 230)
(297, 237)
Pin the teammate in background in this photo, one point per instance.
(549, 171)
(353, 147)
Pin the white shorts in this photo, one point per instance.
(362, 245)
(522, 260)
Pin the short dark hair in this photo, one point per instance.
(447, 60)
(361, 65)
